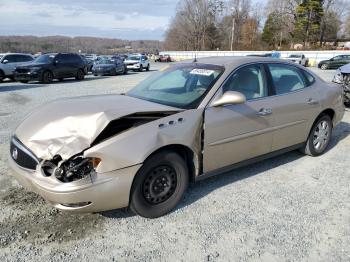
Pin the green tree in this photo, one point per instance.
(308, 21)
(272, 30)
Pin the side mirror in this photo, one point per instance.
(230, 98)
(5, 61)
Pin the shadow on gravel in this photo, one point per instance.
(340, 132)
(19, 86)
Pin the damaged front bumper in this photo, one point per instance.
(98, 192)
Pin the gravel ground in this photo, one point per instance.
(289, 208)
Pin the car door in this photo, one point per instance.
(144, 61)
(295, 105)
(234, 133)
(9, 63)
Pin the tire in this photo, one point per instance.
(24, 82)
(149, 198)
(47, 77)
(125, 72)
(2, 76)
(141, 68)
(80, 75)
(147, 68)
(322, 132)
(324, 67)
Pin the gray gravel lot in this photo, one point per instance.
(289, 208)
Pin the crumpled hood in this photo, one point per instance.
(345, 69)
(69, 126)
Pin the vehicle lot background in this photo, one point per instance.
(289, 208)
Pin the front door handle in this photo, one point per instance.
(265, 112)
(311, 101)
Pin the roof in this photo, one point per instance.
(14, 54)
(234, 61)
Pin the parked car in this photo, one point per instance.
(342, 77)
(299, 59)
(334, 62)
(51, 66)
(184, 123)
(163, 58)
(9, 61)
(137, 62)
(109, 67)
(88, 64)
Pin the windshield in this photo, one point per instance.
(105, 62)
(135, 58)
(183, 86)
(45, 59)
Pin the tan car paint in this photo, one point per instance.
(68, 126)
(232, 133)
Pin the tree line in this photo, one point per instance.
(244, 25)
(34, 44)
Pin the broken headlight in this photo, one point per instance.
(71, 170)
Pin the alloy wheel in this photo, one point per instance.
(321, 136)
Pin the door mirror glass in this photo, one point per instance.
(230, 98)
(5, 61)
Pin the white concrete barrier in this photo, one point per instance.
(312, 55)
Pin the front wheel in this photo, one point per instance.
(319, 137)
(324, 67)
(159, 185)
(47, 77)
(141, 68)
(147, 68)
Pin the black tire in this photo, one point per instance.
(80, 75)
(2, 76)
(323, 136)
(47, 77)
(141, 68)
(324, 66)
(147, 68)
(151, 198)
(125, 71)
(24, 82)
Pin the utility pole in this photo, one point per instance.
(233, 31)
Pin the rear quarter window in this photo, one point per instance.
(286, 78)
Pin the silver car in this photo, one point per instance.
(185, 123)
(9, 61)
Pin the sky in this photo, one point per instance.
(123, 19)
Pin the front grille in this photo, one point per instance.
(22, 155)
(22, 71)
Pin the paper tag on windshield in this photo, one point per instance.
(202, 72)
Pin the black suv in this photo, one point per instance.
(51, 66)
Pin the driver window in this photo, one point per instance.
(250, 81)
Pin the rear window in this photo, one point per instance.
(286, 78)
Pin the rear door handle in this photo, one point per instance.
(311, 101)
(265, 112)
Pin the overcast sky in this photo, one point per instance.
(124, 19)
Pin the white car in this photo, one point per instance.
(137, 62)
(9, 61)
(299, 59)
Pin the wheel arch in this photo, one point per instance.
(330, 112)
(187, 154)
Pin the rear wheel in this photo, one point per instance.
(2, 76)
(125, 70)
(159, 185)
(80, 75)
(47, 77)
(319, 137)
(141, 68)
(147, 69)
